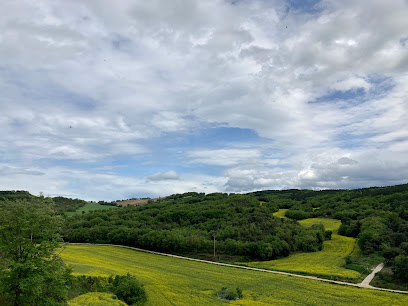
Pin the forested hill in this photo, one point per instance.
(62, 204)
(302, 195)
(187, 224)
(14, 195)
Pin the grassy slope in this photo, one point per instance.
(280, 213)
(96, 298)
(172, 281)
(88, 207)
(328, 263)
(329, 224)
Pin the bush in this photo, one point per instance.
(129, 289)
(230, 295)
(298, 214)
(400, 267)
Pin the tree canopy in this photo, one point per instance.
(185, 224)
(31, 271)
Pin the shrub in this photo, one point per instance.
(400, 267)
(230, 295)
(129, 289)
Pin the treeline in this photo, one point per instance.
(14, 195)
(188, 223)
(62, 204)
(377, 216)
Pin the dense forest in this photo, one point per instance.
(189, 223)
(61, 204)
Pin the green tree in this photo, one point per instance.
(400, 267)
(32, 273)
(129, 289)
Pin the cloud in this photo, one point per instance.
(346, 161)
(365, 169)
(163, 176)
(224, 157)
(103, 184)
(7, 171)
(88, 84)
(352, 83)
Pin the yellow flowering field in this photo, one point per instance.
(280, 213)
(327, 263)
(96, 299)
(172, 281)
(329, 224)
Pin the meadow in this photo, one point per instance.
(173, 281)
(280, 213)
(328, 263)
(89, 207)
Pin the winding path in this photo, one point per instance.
(361, 285)
(366, 282)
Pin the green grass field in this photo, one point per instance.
(280, 213)
(97, 299)
(89, 207)
(329, 224)
(328, 263)
(172, 281)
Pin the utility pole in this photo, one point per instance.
(214, 234)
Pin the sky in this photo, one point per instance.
(108, 100)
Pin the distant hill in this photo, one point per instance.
(137, 202)
(14, 195)
(62, 204)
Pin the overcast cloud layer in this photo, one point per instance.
(106, 100)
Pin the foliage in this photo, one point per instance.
(63, 204)
(327, 263)
(185, 225)
(298, 214)
(173, 281)
(386, 279)
(400, 267)
(31, 272)
(230, 294)
(129, 289)
(83, 284)
(377, 216)
(15, 195)
(87, 207)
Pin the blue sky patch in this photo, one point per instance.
(304, 6)
(380, 86)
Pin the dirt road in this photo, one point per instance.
(366, 282)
